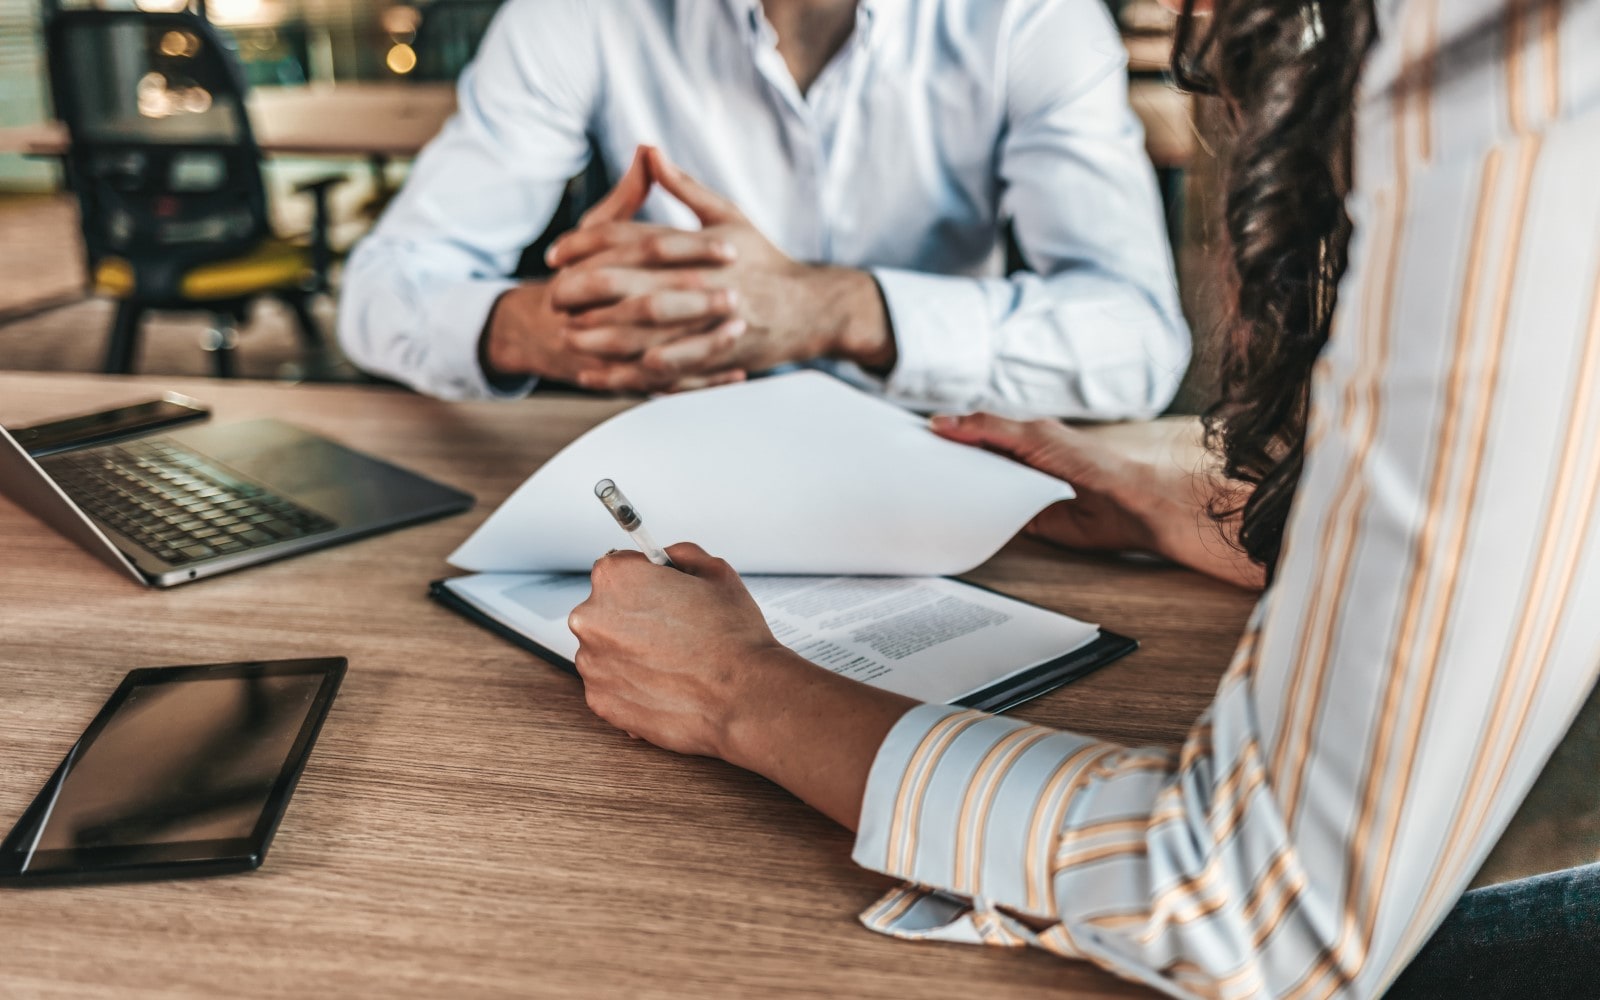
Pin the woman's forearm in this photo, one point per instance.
(1178, 512)
(811, 731)
(1171, 483)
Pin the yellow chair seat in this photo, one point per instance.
(274, 264)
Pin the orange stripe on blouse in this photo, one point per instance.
(1428, 66)
(1550, 36)
(892, 907)
(1516, 33)
(924, 760)
(975, 810)
(1048, 817)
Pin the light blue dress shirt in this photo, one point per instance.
(937, 121)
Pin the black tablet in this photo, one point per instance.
(185, 771)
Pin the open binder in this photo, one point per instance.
(1004, 685)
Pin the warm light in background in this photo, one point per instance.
(402, 59)
(179, 44)
(244, 12)
(159, 97)
(224, 12)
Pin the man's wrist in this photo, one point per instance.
(516, 321)
(852, 316)
(492, 349)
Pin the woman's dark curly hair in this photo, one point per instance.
(1286, 71)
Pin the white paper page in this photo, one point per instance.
(535, 604)
(929, 638)
(792, 474)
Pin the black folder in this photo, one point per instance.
(1105, 648)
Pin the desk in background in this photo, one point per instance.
(465, 827)
(392, 120)
(350, 119)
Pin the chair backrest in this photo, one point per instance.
(448, 35)
(162, 157)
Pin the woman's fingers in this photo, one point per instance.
(1090, 464)
(692, 559)
(988, 430)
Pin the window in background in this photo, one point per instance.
(22, 91)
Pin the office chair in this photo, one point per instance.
(168, 177)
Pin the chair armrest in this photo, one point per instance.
(320, 184)
(321, 221)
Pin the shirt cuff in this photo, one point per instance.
(972, 805)
(456, 320)
(940, 333)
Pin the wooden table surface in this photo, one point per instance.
(465, 827)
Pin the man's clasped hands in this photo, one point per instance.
(637, 307)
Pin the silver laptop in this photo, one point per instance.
(194, 503)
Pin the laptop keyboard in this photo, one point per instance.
(177, 503)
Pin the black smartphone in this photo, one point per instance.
(186, 771)
(106, 426)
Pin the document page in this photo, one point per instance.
(929, 638)
(786, 475)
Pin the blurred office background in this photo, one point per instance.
(341, 93)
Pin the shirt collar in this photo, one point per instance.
(753, 17)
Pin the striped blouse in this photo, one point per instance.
(1435, 624)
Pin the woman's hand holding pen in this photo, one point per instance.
(667, 654)
(684, 658)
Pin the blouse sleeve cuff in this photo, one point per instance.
(971, 805)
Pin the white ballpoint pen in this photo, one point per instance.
(628, 519)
